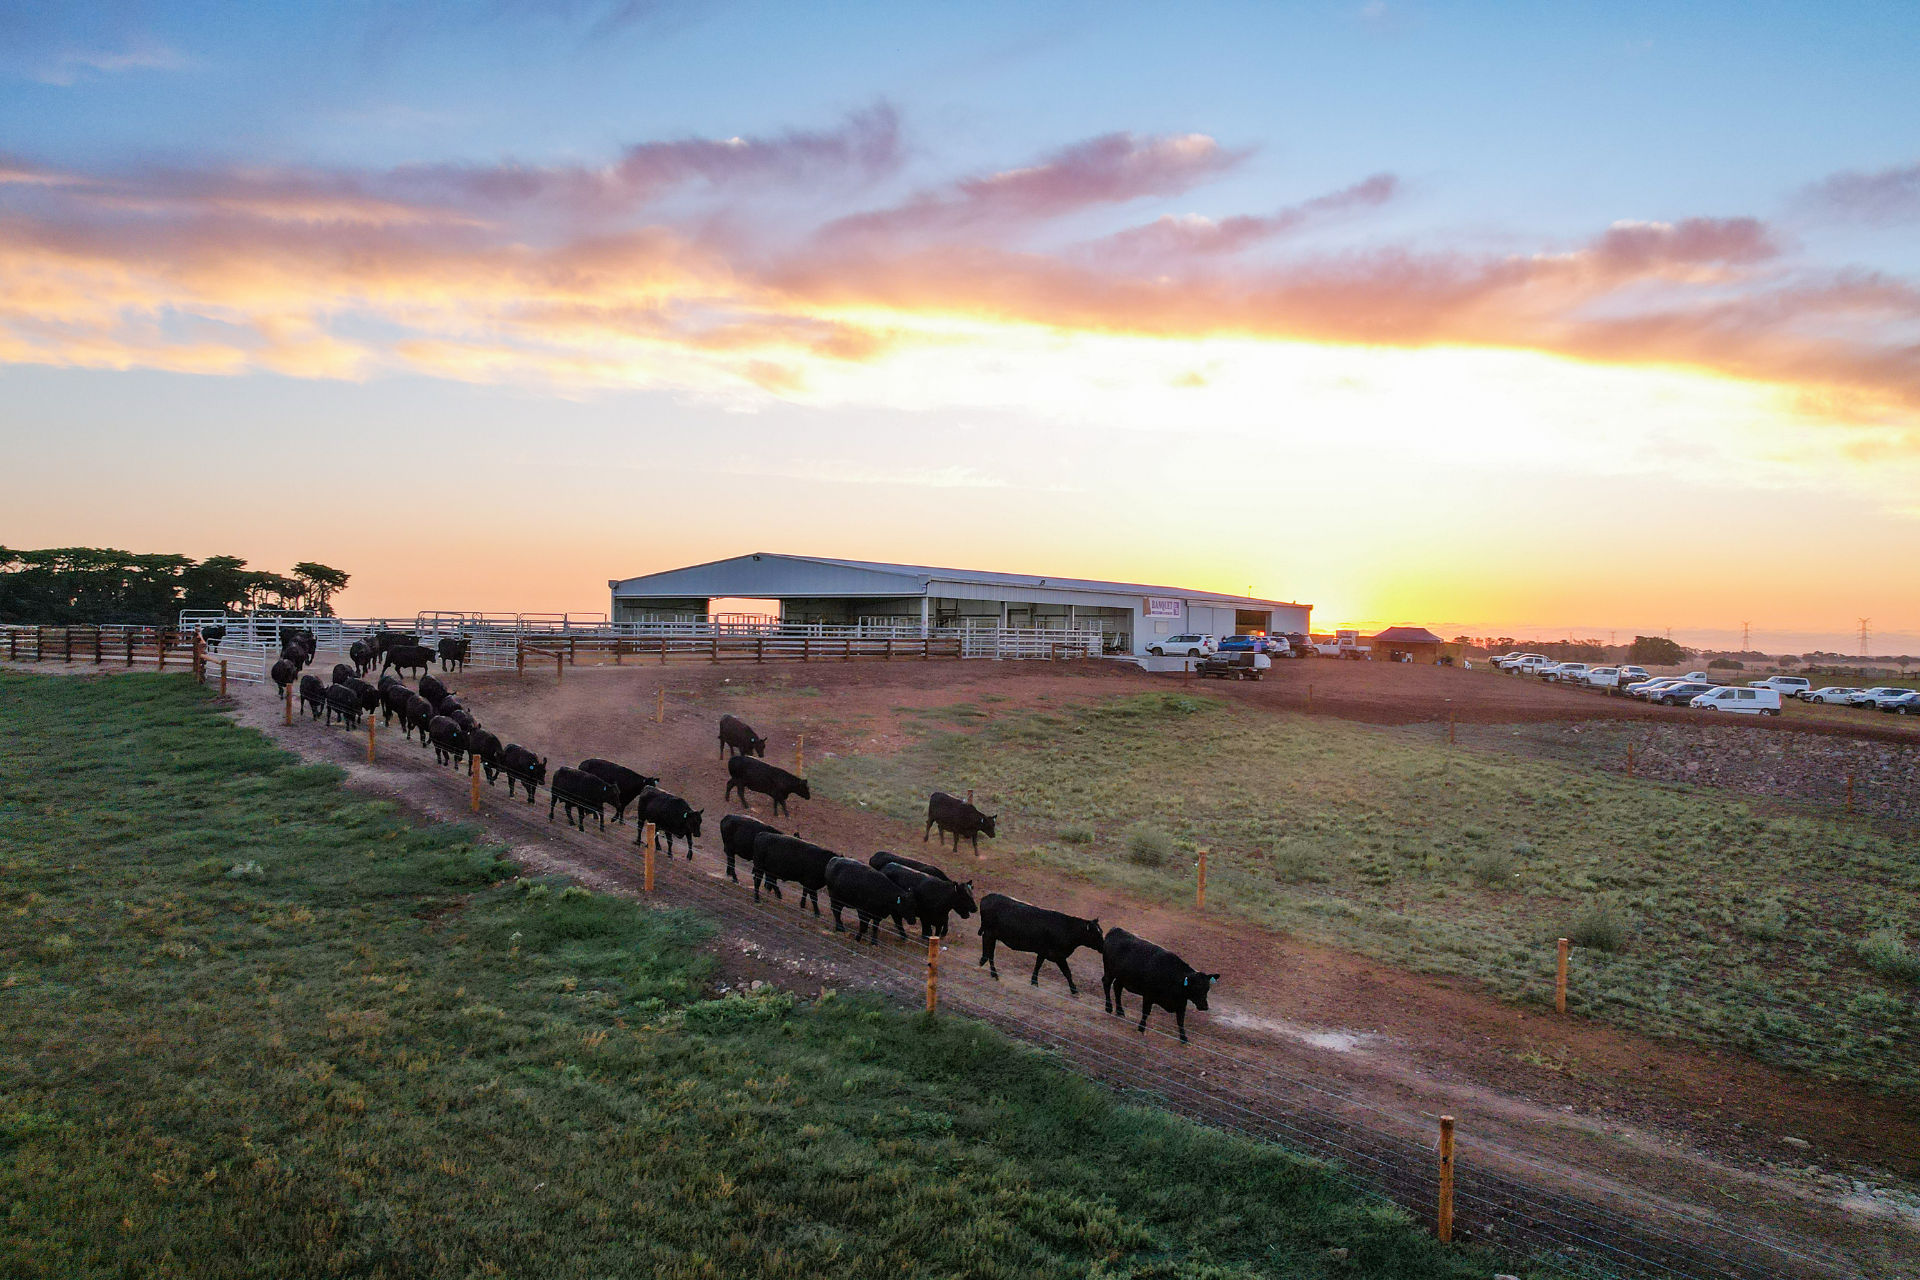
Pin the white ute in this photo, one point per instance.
(1746, 702)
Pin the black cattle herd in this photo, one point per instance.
(885, 887)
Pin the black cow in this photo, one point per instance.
(583, 794)
(1050, 935)
(1154, 974)
(284, 674)
(487, 747)
(419, 715)
(738, 738)
(445, 706)
(749, 774)
(343, 673)
(368, 695)
(296, 654)
(670, 815)
(395, 696)
(466, 722)
(521, 765)
(882, 858)
(342, 701)
(313, 696)
(622, 779)
(453, 653)
(736, 838)
(777, 858)
(957, 818)
(363, 656)
(872, 896)
(213, 636)
(432, 690)
(385, 640)
(407, 657)
(449, 740)
(934, 898)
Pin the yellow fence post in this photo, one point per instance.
(473, 772)
(1445, 1216)
(646, 852)
(370, 719)
(933, 973)
(1560, 981)
(1200, 889)
(660, 705)
(223, 677)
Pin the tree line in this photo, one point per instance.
(79, 586)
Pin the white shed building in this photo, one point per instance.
(814, 589)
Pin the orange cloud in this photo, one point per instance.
(712, 249)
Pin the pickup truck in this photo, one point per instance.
(1346, 644)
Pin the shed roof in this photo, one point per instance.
(769, 575)
(1408, 635)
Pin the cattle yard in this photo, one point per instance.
(1383, 905)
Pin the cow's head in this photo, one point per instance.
(758, 747)
(986, 823)
(1092, 935)
(963, 903)
(539, 773)
(693, 822)
(802, 791)
(1197, 985)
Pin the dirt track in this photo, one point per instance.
(1322, 1047)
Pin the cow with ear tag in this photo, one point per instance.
(1154, 974)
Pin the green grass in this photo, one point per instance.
(1718, 920)
(256, 1025)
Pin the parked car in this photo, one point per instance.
(1531, 664)
(1906, 706)
(1748, 701)
(1647, 688)
(1600, 677)
(1499, 661)
(1563, 672)
(1628, 677)
(1680, 693)
(1243, 644)
(1871, 697)
(1786, 686)
(1833, 694)
(1187, 646)
(1889, 695)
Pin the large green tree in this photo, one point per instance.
(320, 582)
(90, 585)
(1656, 651)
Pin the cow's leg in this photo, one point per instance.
(1180, 1017)
(898, 925)
(924, 835)
(1146, 1007)
(816, 900)
(730, 875)
(1034, 981)
(1119, 999)
(986, 954)
(1106, 992)
(838, 925)
(976, 843)
(1068, 974)
(552, 800)
(756, 884)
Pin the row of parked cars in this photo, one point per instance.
(1698, 689)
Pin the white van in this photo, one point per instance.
(1750, 702)
(1789, 686)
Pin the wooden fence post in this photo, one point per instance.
(519, 658)
(97, 655)
(289, 701)
(130, 654)
(1560, 980)
(660, 705)
(66, 636)
(800, 757)
(572, 649)
(933, 973)
(806, 648)
(760, 649)
(559, 668)
(1200, 890)
(473, 773)
(199, 658)
(1186, 671)
(969, 795)
(646, 852)
(223, 677)
(370, 719)
(663, 648)
(1445, 1216)
(716, 644)
(618, 646)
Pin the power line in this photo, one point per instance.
(1866, 635)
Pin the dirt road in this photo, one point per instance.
(1701, 1160)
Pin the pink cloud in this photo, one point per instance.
(1887, 196)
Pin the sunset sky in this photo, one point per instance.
(1505, 319)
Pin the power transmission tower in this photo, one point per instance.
(1866, 634)
(1746, 636)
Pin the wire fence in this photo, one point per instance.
(1552, 1213)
